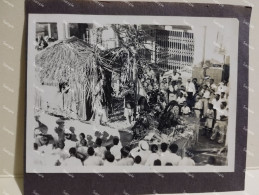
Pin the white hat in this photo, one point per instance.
(143, 145)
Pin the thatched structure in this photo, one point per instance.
(72, 61)
(67, 60)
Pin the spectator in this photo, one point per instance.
(93, 160)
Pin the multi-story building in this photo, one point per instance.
(172, 49)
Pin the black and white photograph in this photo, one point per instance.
(131, 93)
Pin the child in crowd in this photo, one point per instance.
(185, 110)
(209, 115)
(81, 140)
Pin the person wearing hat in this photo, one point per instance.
(141, 150)
(60, 130)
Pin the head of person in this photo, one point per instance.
(194, 80)
(98, 142)
(173, 148)
(82, 136)
(116, 140)
(223, 105)
(137, 160)
(154, 148)
(217, 96)
(97, 134)
(173, 83)
(105, 134)
(225, 82)
(164, 146)
(83, 142)
(210, 106)
(222, 94)
(125, 151)
(90, 151)
(109, 157)
(181, 94)
(72, 129)
(89, 137)
(164, 80)
(72, 151)
(205, 87)
(174, 72)
(157, 162)
(60, 123)
(212, 160)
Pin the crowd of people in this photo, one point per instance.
(170, 99)
(163, 103)
(69, 149)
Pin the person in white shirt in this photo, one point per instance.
(181, 99)
(153, 156)
(223, 97)
(190, 89)
(198, 107)
(216, 102)
(71, 162)
(221, 124)
(99, 150)
(223, 87)
(175, 75)
(116, 148)
(172, 92)
(109, 159)
(169, 156)
(212, 85)
(205, 97)
(93, 160)
(187, 159)
(125, 159)
(185, 110)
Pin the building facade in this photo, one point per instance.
(172, 49)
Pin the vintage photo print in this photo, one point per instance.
(138, 94)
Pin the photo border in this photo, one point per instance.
(143, 183)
